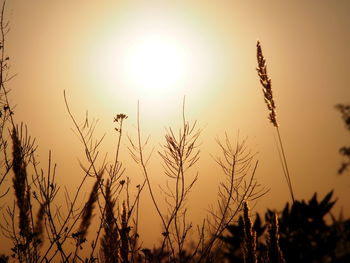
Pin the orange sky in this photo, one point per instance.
(81, 47)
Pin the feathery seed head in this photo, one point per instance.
(266, 83)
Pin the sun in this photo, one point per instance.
(154, 60)
(155, 66)
(147, 65)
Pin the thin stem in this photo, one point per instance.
(143, 165)
(286, 170)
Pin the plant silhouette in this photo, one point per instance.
(304, 234)
(104, 226)
(345, 150)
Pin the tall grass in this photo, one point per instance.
(48, 231)
(249, 244)
(48, 236)
(271, 106)
(275, 254)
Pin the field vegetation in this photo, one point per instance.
(103, 226)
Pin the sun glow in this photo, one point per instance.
(154, 60)
(156, 66)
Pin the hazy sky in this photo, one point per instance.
(109, 54)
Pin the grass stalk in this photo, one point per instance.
(275, 254)
(249, 244)
(271, 106)
(284, 161)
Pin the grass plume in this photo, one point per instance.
(20, 185)
(39, 226)
(266, 83)
(271, 106)
(87, 211)
(110, 239)
(249, 243)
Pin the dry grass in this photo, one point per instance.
(110, 240)
(49, 231)
(249, 244)
(275, 254)
(266, 83)
(20, 185)
(269, 100)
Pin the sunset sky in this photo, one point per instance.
(107, 55)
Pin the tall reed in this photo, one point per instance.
(271, 106)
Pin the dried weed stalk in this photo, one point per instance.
(249, 244)
(239, 185)
(268, 97)
(275, 254)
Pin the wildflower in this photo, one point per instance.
(120, 117)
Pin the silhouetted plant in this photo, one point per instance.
(274, 253)
(271, 106)
(249, 245)
(345, 150)
(301, 234)
(4, 259)
(110, 239)
(6, 111)
(304, 234)
(235, 239)
(236, 187)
